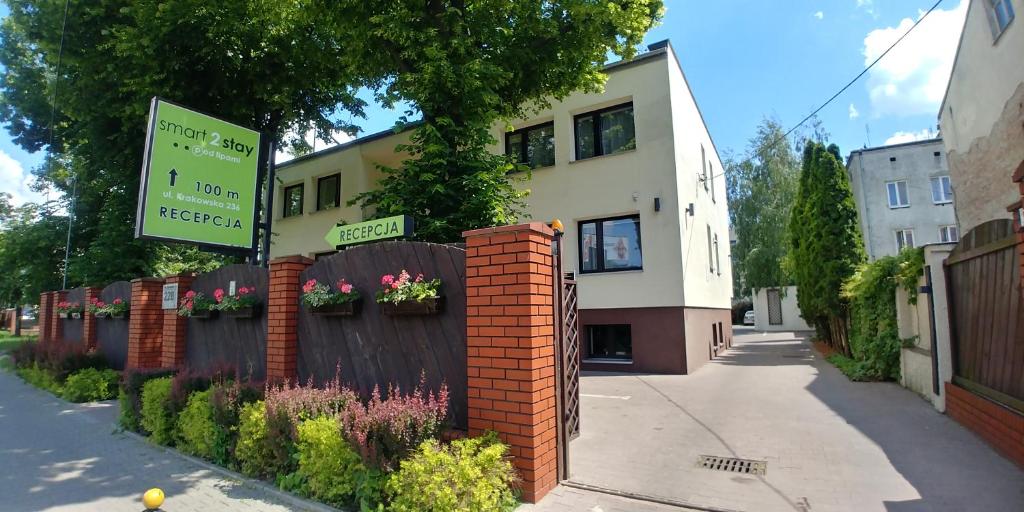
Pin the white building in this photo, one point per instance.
(635, 178)
(904, 196)
(776, 309)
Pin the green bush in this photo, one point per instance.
(470, 475)
(197, 433)
(40, 378)
(328, 465)
(157, 418)
(130, 397)
(252, 450)
(90, 385)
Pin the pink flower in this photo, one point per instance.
(419, 278)
(404, 277)
(99, 304)
(387, 279)
(190, 294)
(395, 286)
(243, 291)
(309, 286)
(346, 288)
(218, 294)
(118, 301)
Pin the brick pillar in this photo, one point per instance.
(89, 320)
(145, 323)
(46, 312)
(56, 326)
(1014, 209)
(283, 316)
(510, 346)
(172, 354)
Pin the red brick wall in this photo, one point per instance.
(145, 323)
(45, 314)
(283, 316)
(172, 351)
(510, 347)
(56, 326)
(89, 320)
(999, 426)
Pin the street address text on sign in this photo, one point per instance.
(199, 179)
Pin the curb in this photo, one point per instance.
(683, 505)
(292, 501)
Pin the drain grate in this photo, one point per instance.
(733, 465)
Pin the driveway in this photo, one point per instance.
(829, 444)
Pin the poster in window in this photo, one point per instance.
(616, 251)
(589, 250)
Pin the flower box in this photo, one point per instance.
(102, 315)
(64, 315)
(244, 312)
(76, 315)
(118, 316)
(206, 314)
(350, 308)
(428, 306)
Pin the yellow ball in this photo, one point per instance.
(153, 498)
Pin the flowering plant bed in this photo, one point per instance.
(321, 300)
(408, 296)
(242, 304)
(69, 309)
(197, 305)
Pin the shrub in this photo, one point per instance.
(196, 432)
(252, 450)
(130, 397)
(90, 385)
(63, 359)
(385, 431)
(288, 405)
(328, 466)
(470, 475)
(226, 402)
(40, 378)
(157, 416)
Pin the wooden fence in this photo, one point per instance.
(72, 329)
(987, 313)
(112, 333)
(376, 350)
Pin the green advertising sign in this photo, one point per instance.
(199, 179)
(369, 231)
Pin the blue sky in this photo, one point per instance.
(746, 60)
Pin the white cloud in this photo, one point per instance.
(867, 5)
(339, 136)
(912, 78)
(853, 112)
(819, 15)
(901, 137)
(15, 181)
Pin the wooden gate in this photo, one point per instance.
(567, 359)
(987, 313)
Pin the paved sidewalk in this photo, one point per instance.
(67, 457)
(830, 444)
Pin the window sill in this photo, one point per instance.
(941, 203)
(899, 207)
(599, 157)
(607, 360)
(333, 208)
(607, 272)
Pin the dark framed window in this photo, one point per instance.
(610, 341)
(533, 146)
(321, 255)
(328, 192)
(293, 200)
(605, 131)
(610, 245)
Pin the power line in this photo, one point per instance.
(851, 82)
(53, 112)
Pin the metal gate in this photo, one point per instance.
(987, 313)
(774, 307)
(567, 358)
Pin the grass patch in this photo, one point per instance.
(8, 341)
(854, 370)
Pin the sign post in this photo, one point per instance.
(200, 180)
(372, 230)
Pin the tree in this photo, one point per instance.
(825, 242)
(31, 254)
(762, 189)
(464, 66)
(264, 64)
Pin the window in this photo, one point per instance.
(610, 245)
(897, 194)
(711, 253)
(711, 182)
(533, 146)
(292, 200)
(1000, 14)
(948, 234)
(604, 132)
(328, 192)
(703, 167)
(904, 239)
(321, 255)
(718, 262)
(610, 341)
(942, 192)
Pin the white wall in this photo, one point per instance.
(791, 319)
(871, 169)
(981, 118)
